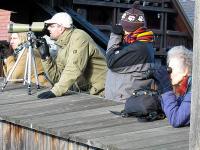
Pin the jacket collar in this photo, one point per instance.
(64, 38)
(185, 86)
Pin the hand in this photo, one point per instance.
(162, 80)
(43, 48)
(46, 95)
(117, 29)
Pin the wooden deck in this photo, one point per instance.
(84, 119)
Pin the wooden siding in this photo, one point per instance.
(185, 9)
(4, 21)
(78, 122)
(162, 16)
(188, 9)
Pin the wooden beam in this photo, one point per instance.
(162, 30)
(162, 52)
(48, 9)
(118, 15)
(170, 32)
(194, 139)
(165, 29)
(102, 3)
(158, 9)
(103, 27)
(121, 5)
(176, 33)
(155, 1)
(114, 21)
(183, 16)
(99, 37)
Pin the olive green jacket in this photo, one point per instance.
(78, 56)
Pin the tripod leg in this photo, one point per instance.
(26, 68)
(35, 68)
(13, 69)
(29, 71)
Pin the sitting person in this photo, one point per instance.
(177, 109)
(129, 55)
(78, 58)
(11, 54)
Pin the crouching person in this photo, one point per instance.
(129, 55)
(77, 57)
(177, 109)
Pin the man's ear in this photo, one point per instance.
(62, 29)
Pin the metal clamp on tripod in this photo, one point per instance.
(30, 59)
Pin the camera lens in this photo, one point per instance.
(149, 72)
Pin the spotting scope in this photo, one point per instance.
(17, 27)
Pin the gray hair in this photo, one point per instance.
(183, 55)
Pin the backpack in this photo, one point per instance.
(143, 104)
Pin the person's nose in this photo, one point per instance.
(49, 28)
(11, 41)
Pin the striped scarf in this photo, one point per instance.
(141, 34)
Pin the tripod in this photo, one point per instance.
(29, 46)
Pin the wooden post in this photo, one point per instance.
(194, 143)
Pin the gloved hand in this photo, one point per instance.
(117, 29)
(162, 79)
(43, 48)
(46, 95)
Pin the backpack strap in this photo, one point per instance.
(150, 92)
(152, 117)
(123, 113)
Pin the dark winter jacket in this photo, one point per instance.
(127, 67)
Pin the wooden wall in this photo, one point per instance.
(4, 21)
(13, 137)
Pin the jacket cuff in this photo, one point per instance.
(114, 41)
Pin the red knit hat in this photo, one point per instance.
(133, 18)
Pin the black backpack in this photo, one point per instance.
(143, 104)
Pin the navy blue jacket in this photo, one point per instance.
(176, 109)
(134, 54)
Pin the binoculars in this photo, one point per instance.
(150, 72)
(35, 27)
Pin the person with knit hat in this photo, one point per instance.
(133, 18)
(129, 55)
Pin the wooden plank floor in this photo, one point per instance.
(87, 119)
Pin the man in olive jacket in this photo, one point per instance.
(78, 56)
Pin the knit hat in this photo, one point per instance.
(133, 18)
